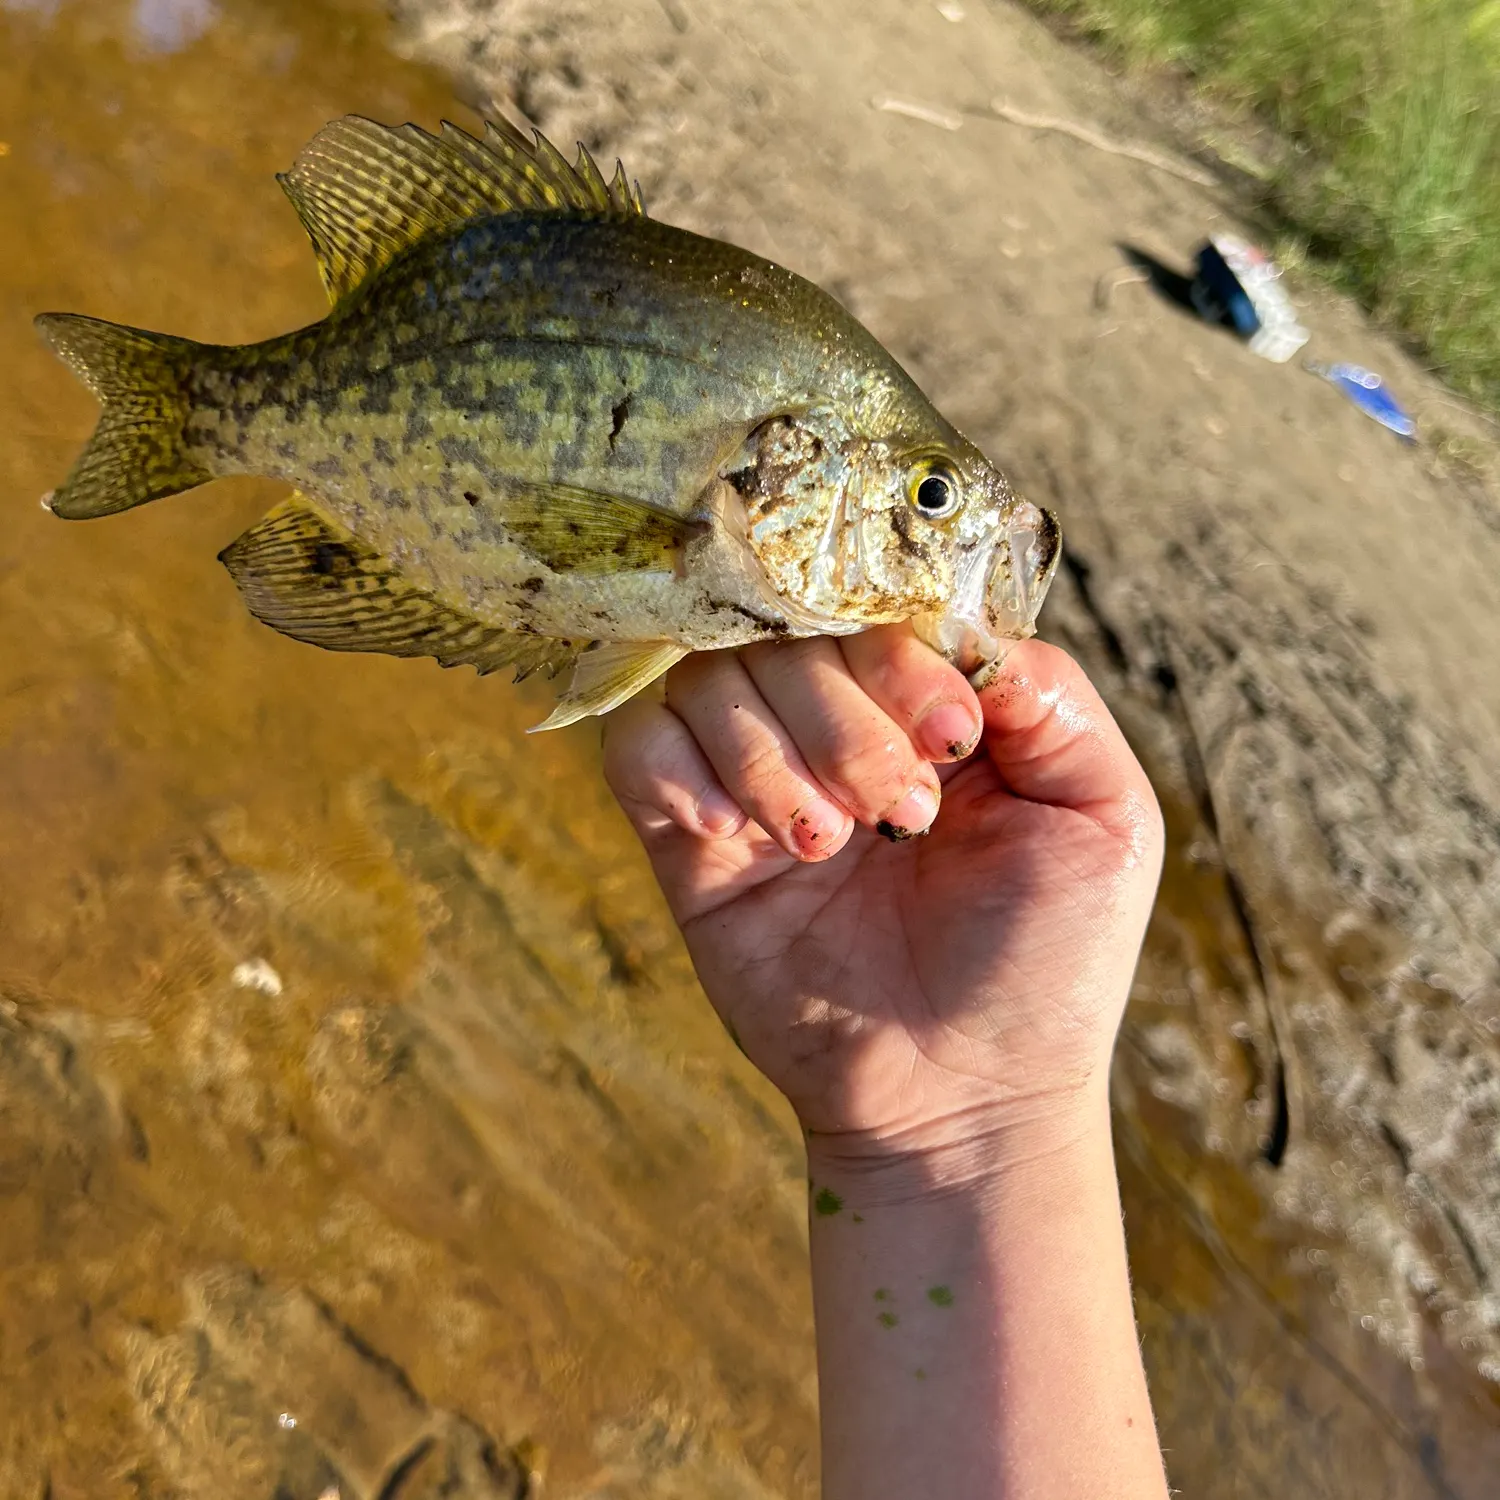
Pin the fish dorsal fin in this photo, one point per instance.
(366, 192)
(315, 582)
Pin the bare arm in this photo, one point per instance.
(975, 1335)
(940, 1012)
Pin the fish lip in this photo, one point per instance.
(998, 591)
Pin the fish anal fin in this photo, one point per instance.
(606, 674)
(366, 192)
(311, 580)
(575, 530)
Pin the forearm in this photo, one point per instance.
(975, 1337)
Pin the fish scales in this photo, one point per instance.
(572, 422)
(523, 319)
(505, 352)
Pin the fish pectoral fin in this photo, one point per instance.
(606, 674)
(366, 192)
(575, 530)
(311, 580)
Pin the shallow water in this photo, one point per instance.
(315, 965)
(361, 1126)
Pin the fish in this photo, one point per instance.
(539, 429)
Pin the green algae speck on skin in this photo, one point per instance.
(881, 1295)
(887, 1319)
(940, 1296)
(827, 1202)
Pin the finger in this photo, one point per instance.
(655, 768)
(753, 756)
(854, 748)
(929, 700)
(1052, 739)
(669, 792)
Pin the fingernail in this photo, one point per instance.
(910, 816)
(718, 813)
(816, 829)
(949, 732)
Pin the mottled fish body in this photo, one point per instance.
(538, 428)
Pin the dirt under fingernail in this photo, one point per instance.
(816, 829)
(950, 728)
(912, 815)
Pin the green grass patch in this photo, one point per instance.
(1391, 112)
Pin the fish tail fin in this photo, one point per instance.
(138, 451)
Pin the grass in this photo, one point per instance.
(1391, 112)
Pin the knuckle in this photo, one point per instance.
(884, 682)
(702, 673)
(869, 768)
(761, 768)
(873, 657)
(643, 755)
(905, 678)
(686, 684)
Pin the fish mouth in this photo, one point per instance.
(998, 592)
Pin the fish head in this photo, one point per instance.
(849, 532)
(1002, 570)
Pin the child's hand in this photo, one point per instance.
(909, 995)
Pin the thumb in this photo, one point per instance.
(1053, 741)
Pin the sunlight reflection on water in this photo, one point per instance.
(171, 25)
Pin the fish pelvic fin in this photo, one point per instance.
(138, 450)
(606, 674)
(308, 578)
(365, 192)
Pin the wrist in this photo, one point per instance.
(970, 1149)
(973, 1311)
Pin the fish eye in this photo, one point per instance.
(936, 493)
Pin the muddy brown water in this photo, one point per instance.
(362, 1130)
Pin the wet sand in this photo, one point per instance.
(361, 1125)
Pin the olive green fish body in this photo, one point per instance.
(609, 353)
(539, 429)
